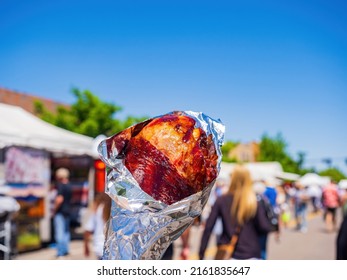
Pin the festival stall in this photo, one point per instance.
(30, 151)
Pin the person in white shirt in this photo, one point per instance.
(96, 224)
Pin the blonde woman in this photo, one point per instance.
(238, 208)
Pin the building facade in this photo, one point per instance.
(27, 101)
(245, 152)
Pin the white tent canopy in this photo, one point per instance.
(19, 127)
(271, 172)
(343, 184)
(310, 179)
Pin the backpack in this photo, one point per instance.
(271, 212)
(331, 197)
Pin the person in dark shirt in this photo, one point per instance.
(341, 242)
(62, 207)
(238, 207)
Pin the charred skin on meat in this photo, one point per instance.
(168, 156)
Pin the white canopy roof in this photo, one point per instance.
(19, 127)
(268, 171)
(343, 184)
(310, 179)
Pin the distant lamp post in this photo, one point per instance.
(328, 162)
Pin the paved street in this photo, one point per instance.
(315, 244)
(76, 253)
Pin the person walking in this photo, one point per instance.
(315, 193)
(62, 208)
(95, 227)
(331, 201)
(241, 214)
(270, 194)
(301, 199)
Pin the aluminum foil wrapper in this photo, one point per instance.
(140, 227)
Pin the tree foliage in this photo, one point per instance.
(275, 149)
(88, 115)
(334, 173)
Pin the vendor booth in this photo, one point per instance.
(30, 152)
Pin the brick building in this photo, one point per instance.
(26, 101)
(245, 152)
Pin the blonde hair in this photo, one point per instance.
(62, 173)
(244, 204)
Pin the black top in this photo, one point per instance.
(342, 241)
(65, 191)
(248, 245)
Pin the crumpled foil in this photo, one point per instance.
(140, 227)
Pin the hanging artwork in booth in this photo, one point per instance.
(27, 173)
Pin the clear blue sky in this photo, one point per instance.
(259, 66)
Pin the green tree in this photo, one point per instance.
(334, 173)
(88, 115)
(274, 149)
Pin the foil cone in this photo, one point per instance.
(141, 227)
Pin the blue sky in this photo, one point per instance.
(259, 66)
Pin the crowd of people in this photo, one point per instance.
(241, 214)
(290, 202)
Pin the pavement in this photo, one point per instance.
(76, 253)
(315, 244)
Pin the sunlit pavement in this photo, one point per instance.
(315, 244)
(76, 253)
